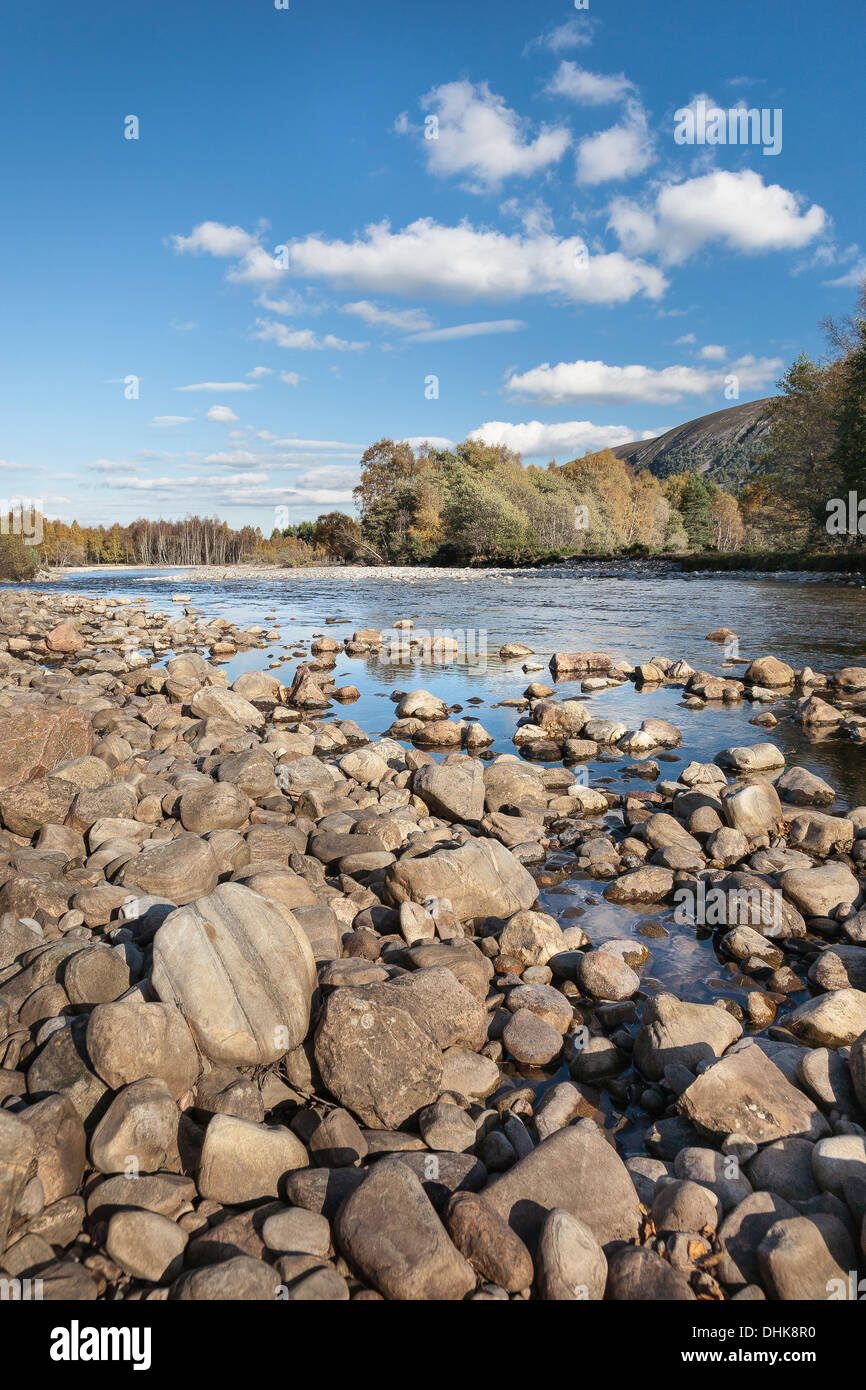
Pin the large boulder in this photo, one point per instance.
(752, 807)
(819, 891)
(129, 1040)
(17, 1159)
(746, 1093)
(242, 1161)
(390, 1233)
(242, 973)
(180, 870)
(215, 701)
(577, 1170)
(673, 1031)
(452, 790)
(480, 879)
(375, 1058)
(34, 739)
(769, 671)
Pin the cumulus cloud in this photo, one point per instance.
(472, 131)
(253, 264)
(621, 152)
(170, 420)
(259, 372)
(291, 378)
(598, 381)
(465, 263)
(736, 209)
(221, 415)
(713, 352)
(588, 88)
(533, 439)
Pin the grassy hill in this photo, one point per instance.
(722, 446)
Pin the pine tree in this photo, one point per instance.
(696, 508)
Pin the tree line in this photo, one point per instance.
(478, 503)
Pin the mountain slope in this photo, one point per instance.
(722, 445)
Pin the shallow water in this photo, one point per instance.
(634, 616)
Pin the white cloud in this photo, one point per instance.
(259, 372)
(597, 381)
(254, 265)
(465, 263)
(737, 209)
(407, 320)
(466, 330)
(618, 153)
(218, 386)
(303, 339)
(292, 443)
(291, 378)
(537, 440)
(852, 279)
(574, 33)
(687, 338)
(588, 88)
(713, 352)
(7, 466)
(480, 136)
(435, 441)
(222, 415)
(168, 421)
(113, 466)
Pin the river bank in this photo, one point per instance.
(319, 977)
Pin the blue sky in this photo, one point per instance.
(488, 194)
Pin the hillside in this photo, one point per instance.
(721, 445)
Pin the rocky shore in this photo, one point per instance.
(281, 1018)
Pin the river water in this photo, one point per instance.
(631, 614)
